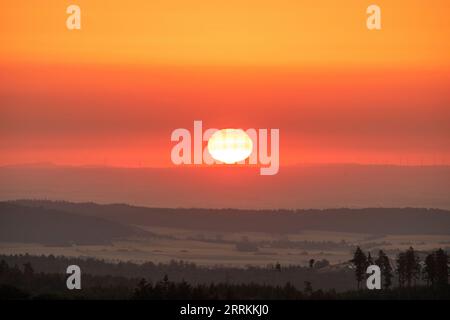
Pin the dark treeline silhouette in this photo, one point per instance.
(20, 280)
(166, 289)
(23, 282)
(339, 279)
(409, 269)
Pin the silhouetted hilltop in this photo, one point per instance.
(19, 223)
(369, 220)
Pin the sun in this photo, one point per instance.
(230, 145)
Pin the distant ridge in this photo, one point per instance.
(368, 220)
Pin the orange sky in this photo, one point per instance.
(112, 92)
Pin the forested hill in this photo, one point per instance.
(369, 220)
(19, 223)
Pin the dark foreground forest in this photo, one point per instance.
(408, 277)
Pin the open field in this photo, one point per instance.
(222, 248)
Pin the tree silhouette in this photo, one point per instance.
(28, 269)
(360, 262)
(369, 260)
(278, 267)
(408, 267)
(436, 269)
(385, 267)
(321, 264)
(401, 268)
(441, 265)
(142, 290)
(429, 271)
(308, 288)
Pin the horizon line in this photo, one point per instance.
(135, 205)
(171, 166)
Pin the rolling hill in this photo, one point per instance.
(48, 226)
(369, 220)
